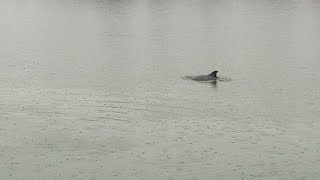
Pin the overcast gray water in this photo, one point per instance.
(94, 89)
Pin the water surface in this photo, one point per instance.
(93, 89)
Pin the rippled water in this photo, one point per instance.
(94, 89)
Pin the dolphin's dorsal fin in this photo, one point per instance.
(213, 74)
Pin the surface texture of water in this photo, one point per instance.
(93, 89)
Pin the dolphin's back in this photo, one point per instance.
(202, 78)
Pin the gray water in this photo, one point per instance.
(93, 89)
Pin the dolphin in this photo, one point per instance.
(210, 77)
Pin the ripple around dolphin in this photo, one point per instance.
(224, 79)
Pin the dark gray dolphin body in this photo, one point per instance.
(210, 77)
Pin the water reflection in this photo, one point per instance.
(214, 84)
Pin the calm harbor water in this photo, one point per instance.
(94, 89)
